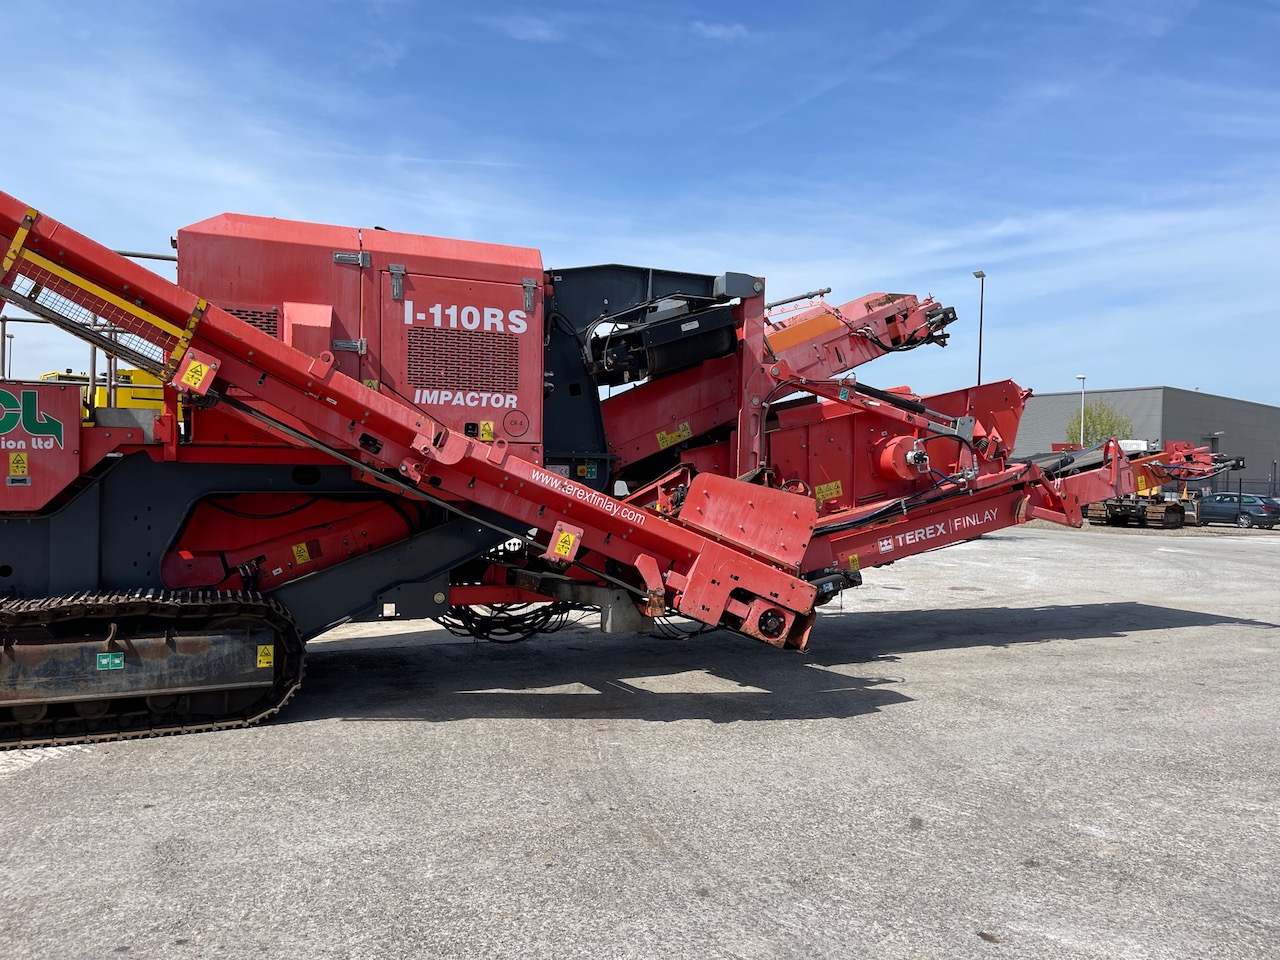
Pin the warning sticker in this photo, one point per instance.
(853, 561)
(679, 434)
(486, 429)
(300, 553)
(564, 544)
(828, 491)
(195, 374)
(1142, 483)
(266, 655)
(18, 464)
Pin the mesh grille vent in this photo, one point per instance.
(266, 320)
(479, 360)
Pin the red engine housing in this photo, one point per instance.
(453, 326)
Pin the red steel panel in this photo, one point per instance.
(643, 420)
(242, 262)
(39, 442)
(765, 521)
(465, 351)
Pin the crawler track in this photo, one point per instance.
(41, 626)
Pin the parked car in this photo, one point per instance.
(1244, 510)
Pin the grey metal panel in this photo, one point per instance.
(1239, 428)
(1227, 425)
(24, 557)
(145, 503)
(74, 543)
(113, 534)
(1044, 422)
(1143, 406)
(409, 573)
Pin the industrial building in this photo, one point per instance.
(1237, 427)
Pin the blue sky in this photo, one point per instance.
(1114, 167)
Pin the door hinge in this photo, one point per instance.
(359, 259)
(360, 346)
(530, 285)
(398, 271)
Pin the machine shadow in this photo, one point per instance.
(579, 674)
(719, 677)
(883, 635)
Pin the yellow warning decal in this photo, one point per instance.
(677, 435)
(370, 383)
(300, 553)
(1142, 483)
(266, 655)
(564, 544)
(486, 429)
(19, 238)
(828, 491)
(17, 464)
(195, 374)
(853, 561)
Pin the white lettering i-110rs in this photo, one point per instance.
(468, 317)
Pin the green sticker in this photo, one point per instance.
(844, 393)
(111, 661)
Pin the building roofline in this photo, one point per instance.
(1193, 393)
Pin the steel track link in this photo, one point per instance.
(128, 719)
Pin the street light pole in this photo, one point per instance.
(1080, 377)
(982, 296)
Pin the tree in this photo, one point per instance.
(1101, 422)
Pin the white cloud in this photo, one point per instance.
(1150, 19)
(531, 29)
(724, 32)
(378, 53)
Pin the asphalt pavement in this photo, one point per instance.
(1043, 743)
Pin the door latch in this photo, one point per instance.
(360, 258)
(397, 271)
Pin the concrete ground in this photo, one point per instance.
(1046, 743)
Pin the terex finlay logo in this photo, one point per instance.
(43, 432)
(975, 522)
